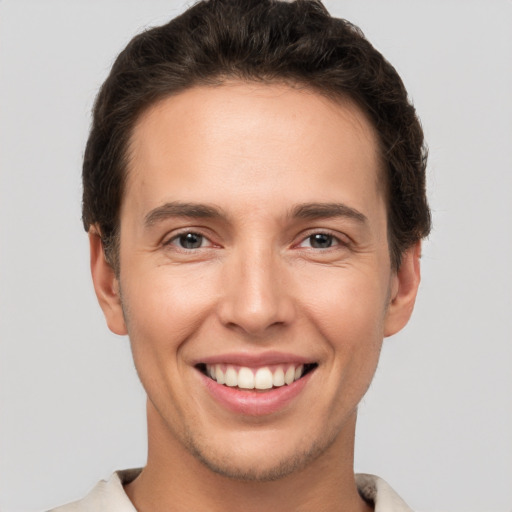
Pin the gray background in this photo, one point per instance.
(437, 421)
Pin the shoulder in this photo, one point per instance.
(376, 491)
(106, 495)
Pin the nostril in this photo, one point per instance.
(253, 304)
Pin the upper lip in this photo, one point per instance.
(254, 360)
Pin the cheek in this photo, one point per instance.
(345, 299)
(348, 308)
(166, 305)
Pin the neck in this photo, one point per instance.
(175, 480)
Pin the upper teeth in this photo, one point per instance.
(252, 378)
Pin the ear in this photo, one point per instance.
(106, 285)
(404, 287)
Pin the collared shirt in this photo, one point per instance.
(109, 495)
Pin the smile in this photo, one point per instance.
(260, 378)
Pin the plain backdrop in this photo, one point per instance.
(437, 421)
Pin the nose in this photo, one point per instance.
(257, 296)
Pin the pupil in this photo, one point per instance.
(321, 241)
(191, 241)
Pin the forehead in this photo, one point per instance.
(239, 136)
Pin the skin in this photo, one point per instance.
(257, 283)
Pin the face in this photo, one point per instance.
(255, 280)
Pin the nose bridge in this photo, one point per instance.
(255, 297)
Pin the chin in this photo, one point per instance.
(257, 464)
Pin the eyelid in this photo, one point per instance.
(340, 238)
(171, 237)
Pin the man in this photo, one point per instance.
(254, 194)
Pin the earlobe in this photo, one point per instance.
(106, 285)
(404, 289)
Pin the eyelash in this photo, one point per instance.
(184, 233)
(335, 241)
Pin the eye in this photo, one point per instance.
(320, 241)
(189, 241)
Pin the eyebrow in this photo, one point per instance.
(179, 209)
(308, 211)
(326, 210)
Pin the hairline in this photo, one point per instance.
(112, 243)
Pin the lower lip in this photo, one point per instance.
(255, 403)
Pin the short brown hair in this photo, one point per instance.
(256, 40)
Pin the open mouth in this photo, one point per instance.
(259, 379)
